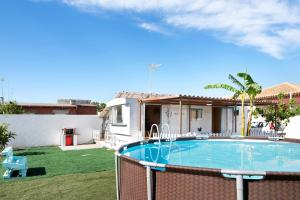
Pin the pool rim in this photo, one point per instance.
(170, 166)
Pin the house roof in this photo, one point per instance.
(45, 105)
(191, 100)
(176, 99)
(52, 105)
(141, 95)
(285, 88)
(184, 99)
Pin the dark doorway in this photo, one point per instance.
(152, 116)
(216, 119)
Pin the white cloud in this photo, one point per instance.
(151, 27)
(270, 26)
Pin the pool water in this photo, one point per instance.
(258, 155)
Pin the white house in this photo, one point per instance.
(132, 114)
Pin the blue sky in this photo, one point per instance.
(86, 49)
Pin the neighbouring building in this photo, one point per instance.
(63, 106)
(289, 90)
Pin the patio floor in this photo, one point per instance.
(98, 145)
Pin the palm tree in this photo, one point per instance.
(248, 88)
(238, 91)
(252, 90)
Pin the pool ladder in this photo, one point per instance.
(162, 133)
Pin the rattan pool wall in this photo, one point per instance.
(187, 183)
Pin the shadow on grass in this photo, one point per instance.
(34, 171)
(34, 153)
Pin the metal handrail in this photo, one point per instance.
(167, 135)
(151, 131)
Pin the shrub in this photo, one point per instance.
(279, 114)
(11, 107)
(5, 135)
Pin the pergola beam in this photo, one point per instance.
(204, 102)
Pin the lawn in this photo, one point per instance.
(56, 174)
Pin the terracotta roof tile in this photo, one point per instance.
(285, 88)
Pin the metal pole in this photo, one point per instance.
(239, 179)
(275, 125)
(189, 118)
(2, 93)
(180, 117)
(239, 187)
(152, 68)
(149, 182)
(140, 120)
(117, 176)
(235, 120)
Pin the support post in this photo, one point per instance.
(180, 117)
(239, 187)
(275, 125)
(235, 120)
(142, 120)
(189, 118)
(141, 136)
(239, 179)
(149, 183)
(117, 176)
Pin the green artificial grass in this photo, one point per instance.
(97, 185)
(56, 174)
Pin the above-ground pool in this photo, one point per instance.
(258, 155)
(216, 168)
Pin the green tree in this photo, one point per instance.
(99, 106)
(252, 90)
(5, 135)
(239, 90)
(11, 107)
(298, 111)
(280, 113)
(242, 89)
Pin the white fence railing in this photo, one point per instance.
(254, 133)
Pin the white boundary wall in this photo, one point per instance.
(45, 130)
(293, 128)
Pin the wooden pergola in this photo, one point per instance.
(201, 101)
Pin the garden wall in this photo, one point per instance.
(293, 128)
(45, 130)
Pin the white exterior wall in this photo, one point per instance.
(170, 115)
(129, 130)
(227, 120)
(239, 119)
(45, 130)
(205, 122)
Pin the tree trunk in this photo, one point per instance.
(243, 114)
(250, 118)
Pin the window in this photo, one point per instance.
(196, 114)
(116, 115)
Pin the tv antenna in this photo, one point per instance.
(2, 94)
(152, 69)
